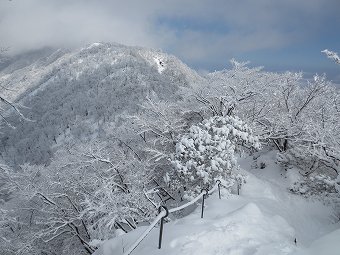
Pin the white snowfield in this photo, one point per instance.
(265, 219)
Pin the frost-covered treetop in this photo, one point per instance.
(332, 55)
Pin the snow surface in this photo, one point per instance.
(160, 64)
(264, 219)
(328, 244)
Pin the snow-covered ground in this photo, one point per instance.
(264, 219)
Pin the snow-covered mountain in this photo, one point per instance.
(73, 93)
(79, 103)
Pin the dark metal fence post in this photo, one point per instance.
(162, 223)
(219, 188)
(120, 226)
(204, 197)
(238, 188)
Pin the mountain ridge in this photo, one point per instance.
(62, 89)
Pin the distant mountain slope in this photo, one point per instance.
(71, 93)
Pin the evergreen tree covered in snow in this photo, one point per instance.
(207, 153)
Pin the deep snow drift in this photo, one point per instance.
(264, 219)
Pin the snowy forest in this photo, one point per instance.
(94, 140)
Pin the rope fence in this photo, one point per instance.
(163, 212)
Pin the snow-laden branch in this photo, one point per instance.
(332, 55)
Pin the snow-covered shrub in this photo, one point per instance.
(316, 185)
(207, 153)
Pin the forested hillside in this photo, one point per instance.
(75, 94)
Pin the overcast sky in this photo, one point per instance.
(205, 34)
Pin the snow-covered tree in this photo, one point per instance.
(5, 103)
(227, 90)
(159, 124)
(207, 153)
(81, 196)
(332, 55)
(160, 120)
(297, 116)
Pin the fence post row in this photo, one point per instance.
(161, 216)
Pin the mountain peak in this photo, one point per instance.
(61, 89)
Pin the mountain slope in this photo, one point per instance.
(72, 94)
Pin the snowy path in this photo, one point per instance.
(264, 219)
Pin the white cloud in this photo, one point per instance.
(250, 25)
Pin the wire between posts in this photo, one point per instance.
(165, 213)
(213, 189)
(146, 232)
